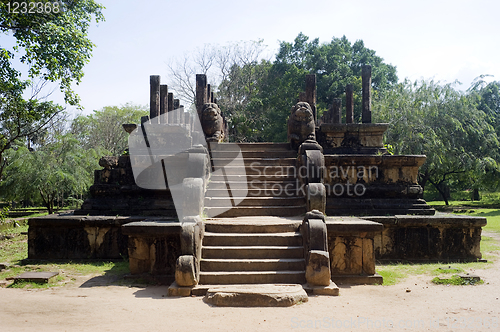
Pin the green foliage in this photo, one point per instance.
(59, 167)
(4, 213)
(258, 96)
(54, 48)
(53, 45)
(457, 281)
(103, 131)
(444, 124)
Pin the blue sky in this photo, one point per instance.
(443, 40)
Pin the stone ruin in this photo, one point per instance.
(347, 203)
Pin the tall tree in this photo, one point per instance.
(444, 124)
(60, 167)
(102, 130)
(335, 64)
(54, 47)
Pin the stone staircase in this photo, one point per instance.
(252, 251)
(268, 173)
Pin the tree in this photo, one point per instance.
(59, 167)
(215, 61)
(54, 47)
(103, 129)
(445, 125)
(335, 64)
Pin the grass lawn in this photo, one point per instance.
(14, 252)
(490, 247)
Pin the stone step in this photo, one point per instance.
(255, 154)
(252, 177)
(261, 170)
(252, 225)
(254, 252)
(252, 277)
(253, 184)
(277, 191)
(253, 239)
(253, 162)
(237, 211)
(254, 201)
(267, 146)
(277, 264)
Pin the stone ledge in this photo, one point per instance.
(67, 220)
(438, 220)
(152, 228)
(351, 225)
(375, 279)
(353, 127)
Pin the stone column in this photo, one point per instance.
(337, 111)
(201, 92)
(163, 102)
(154, 98)
(311, 93)
(177, 104)
(349, 104)
(366, 77)
(170, 107)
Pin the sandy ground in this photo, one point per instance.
(86, 306)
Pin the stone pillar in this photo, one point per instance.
(163, 102)
(366, 77)
(154, 98)
(311, 94)
(176, 112)
(349, 104)
(170, 107)
(201, 92)
(337, 111)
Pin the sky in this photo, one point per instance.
(436, 39)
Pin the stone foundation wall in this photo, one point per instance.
(351, 249)
(428, 238)
(153, 247)
(77, 237)
(114, 192)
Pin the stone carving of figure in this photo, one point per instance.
(212, 122)
(301, 124)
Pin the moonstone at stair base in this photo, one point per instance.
(266, 295)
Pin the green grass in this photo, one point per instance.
(394, 273)
(457, 281)
(14, 252)
(490, 247)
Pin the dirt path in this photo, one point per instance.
(427, 307)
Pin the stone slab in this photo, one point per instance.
(331, 290)
(263, 295)
(152, 227)
(375, 279)
(176, 290)
(351, 225)
(41, 277)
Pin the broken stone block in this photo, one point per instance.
(185, 274)
(41, 277)
(318, 268)
(256, 295)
